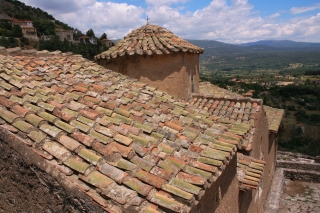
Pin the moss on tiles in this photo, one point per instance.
(210, 153)
(46, 106)
(89, 156)
(145, 127)
(37, 136)
(157, 136)
(48, 117)
(165, 148)
(33, 119)
(185, 186)
(142, 141)
(100, 137)
(106, 120)
(50, 130)
(76, 164)
(86, 120)
(210, 161)
(97, 179)
(57, 98)
(72, 95)
(123, 139)
(167, 202)
(176, 191)
(22, 125)
(122, 118)
(79, 125)
(70, 112)
(124, 164)
(16, 99)
(123, 112)
(105, 111)
(7, 115)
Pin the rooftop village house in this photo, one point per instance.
(112, 143)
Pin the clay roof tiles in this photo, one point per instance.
(123, 143)
(249, 171)
(149, 40)
(274, 117)
(241, 113)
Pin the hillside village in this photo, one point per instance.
(139, 128)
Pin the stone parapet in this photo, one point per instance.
(302, 175)
(298, 165)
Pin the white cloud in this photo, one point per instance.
(275, 15)
(165, 2)
(297, 10)
(59, 6)
(234, 21)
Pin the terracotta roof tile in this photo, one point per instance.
(149, 40)
(243, 112)
(249, 171)
(138, 147)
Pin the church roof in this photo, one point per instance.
(123, 143)
(149, 40)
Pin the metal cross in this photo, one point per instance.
(147, 19)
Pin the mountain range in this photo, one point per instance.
(282, 43)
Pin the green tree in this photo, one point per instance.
(44, 27)
(103, 36)
(17, 31)
(90, 33)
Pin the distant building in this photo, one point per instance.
(29, 32)
(27, 28)
(106, 42)
(26, 23)
(65, 34)
(88, 40)
(284, 83)
(249, 93)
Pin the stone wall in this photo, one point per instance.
(263, 148)
(173, 73)
(32, 184)
(25, 188)
(298, 165)
(302, 175)
(222, 195)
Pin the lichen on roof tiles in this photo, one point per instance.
(249, 171)
(115, 133)
(231, 108)
(149, 40)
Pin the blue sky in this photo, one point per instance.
(231, 21)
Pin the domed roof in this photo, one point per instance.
(149, 40)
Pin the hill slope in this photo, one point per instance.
(21, 11)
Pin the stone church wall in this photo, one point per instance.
(173, 73)
(264, 148)
(222, 196)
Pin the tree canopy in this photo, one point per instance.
(103, 36)
(90, 33)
